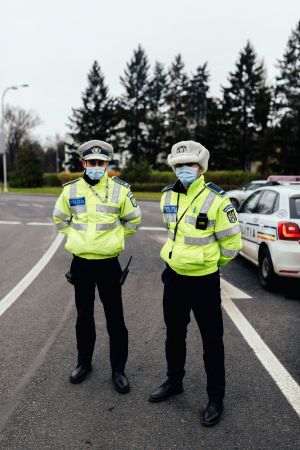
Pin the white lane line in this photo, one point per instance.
(40, 223)
(153, 228)
(18, 290)
(23, 204)
(37, 205)
(286, 383)
(232, 291)
(9, 222)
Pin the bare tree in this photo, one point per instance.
(18, 124)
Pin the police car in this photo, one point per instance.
(270, 223)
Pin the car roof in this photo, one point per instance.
(291, 188)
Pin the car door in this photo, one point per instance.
(268, 204)
(249, 225)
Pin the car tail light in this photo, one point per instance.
(288, 231)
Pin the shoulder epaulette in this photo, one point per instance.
(122, 182)
(216, 189)
(168, 188)
(71, 182)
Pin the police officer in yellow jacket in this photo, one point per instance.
(97, 213)
(203, 235)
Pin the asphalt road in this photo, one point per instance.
(40, 409)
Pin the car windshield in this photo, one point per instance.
(253, 186)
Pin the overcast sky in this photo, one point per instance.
(51, 44)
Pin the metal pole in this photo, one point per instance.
(3, 138)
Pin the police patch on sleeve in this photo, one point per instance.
(77, 201)
(170, 209)
(231, 214)
(132, 199)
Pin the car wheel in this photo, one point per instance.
(234, 203)
(267, 276)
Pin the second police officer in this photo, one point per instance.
(97, 213)
(203, 235)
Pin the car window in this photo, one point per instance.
(268, 202)
(295, 207)
(249, 205)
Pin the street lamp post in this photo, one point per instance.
(3, 140)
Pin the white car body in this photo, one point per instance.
(266, 230)
(237, 196)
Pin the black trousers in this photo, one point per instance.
(104, 273)
(201, 295)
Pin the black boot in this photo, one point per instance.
(120, 382)
(80, 373)
(212, 413)
(166, 390)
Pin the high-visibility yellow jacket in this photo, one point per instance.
(207, 236)
(96, 219)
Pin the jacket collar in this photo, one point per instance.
(192, 189)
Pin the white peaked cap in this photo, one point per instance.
(96, 149)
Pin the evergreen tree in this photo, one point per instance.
(156, 114)
(197, 103)
(288, 103)
(177, 102)
(214, 136)
(239, 105)
(28, 172)
(266, 141)
(134, 103)
(95, 119)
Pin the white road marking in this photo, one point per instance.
(37, 205)
(40, 223)
(286, 383)
(232, 291)
(23, 204)
(9, 222)
(18, 290)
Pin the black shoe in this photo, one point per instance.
(120, 382)
(166, 390)
(212, 413)
(80, 373)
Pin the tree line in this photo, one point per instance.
(251, 120)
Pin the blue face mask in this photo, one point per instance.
(186, 174)
(95, 173)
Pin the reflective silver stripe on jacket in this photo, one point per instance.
(78, 226)
(229, 232)
(132, 226)
(76, 209)
(132, 215)
(208, 202)
(116, 193)
(108, 209)
(171, 234)
(199, 240)
(60, 215)
(73, 190)
(228, 253)
(107, 226)
(61, 225)
(168, 217)
(192, 221)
